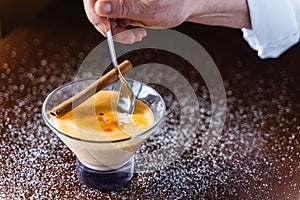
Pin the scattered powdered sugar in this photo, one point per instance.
(259, 141)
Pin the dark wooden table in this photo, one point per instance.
(258, 156)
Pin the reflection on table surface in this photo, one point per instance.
(258, 153)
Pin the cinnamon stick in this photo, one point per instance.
(107, 79)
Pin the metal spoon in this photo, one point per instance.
(126, 99)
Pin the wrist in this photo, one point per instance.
(230, 13)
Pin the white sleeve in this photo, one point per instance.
(275, 26)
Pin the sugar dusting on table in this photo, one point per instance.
(35, 164)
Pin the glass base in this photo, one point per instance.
(105, 180)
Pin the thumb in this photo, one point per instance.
(117, 9)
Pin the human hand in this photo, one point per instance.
(135, 13)
(125, 14)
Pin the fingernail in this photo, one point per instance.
(144, 34)
(101, 29)
(105, 7)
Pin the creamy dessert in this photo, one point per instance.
(102, 133)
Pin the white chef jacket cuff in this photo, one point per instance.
(274, 27)
(270, 50)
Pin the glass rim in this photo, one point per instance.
(49, 124)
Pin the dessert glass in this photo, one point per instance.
(104, 165)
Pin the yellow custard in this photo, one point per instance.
(96, 119)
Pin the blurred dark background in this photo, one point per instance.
(17, 12)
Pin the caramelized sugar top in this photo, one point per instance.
(98, 119)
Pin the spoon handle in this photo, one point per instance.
(111, 48)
